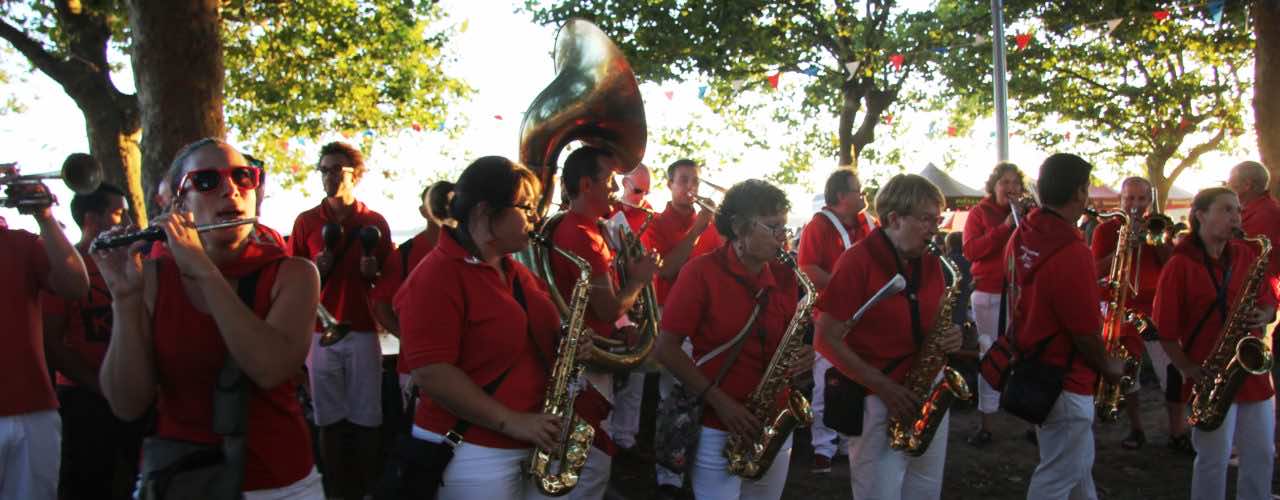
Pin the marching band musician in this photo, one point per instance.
(30, 428)
(835, 228)
(1057, 315)
(1135, 200)
(405, 257)
(478, 332)
(1193, 302)
(624, 423)
(635, 187)
(345, 377)
(177, 318)
(678, 234)
(986, 231)
(588, 182)
(878, 351)
(711, 304)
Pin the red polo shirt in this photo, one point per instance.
(457, 310)
(1187, 292)
(635, 216)
(821, 244)
(580, 235)
(710, 303)
(345, 292)
(985, 235)
(667, 229)
(1262, 216)
(1105, 239)
(23, 267)
(88, 326)
(884, 332)
(1055, 294)
(398, 265)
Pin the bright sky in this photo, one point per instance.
(507, 59)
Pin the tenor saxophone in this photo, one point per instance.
(1119, 286)
(1236, 355)
(575, 433)
(913, 436)
(751, 458)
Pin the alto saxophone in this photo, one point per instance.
(913, 437)
(1236, 355)
(751, 458)
(575, 433)
(1119, 287)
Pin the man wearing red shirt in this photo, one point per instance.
(624, 423)
(835, 228)
(404, 258)
(1135, 200)
(346, 376)
(1058, 311)
(95, 442)
(30, 429)
(635, 186)
(588, 182)
(986, 231)
(1195, 298)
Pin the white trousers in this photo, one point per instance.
(624, 423)
(594, 480)
(30, 454)
(712, 480)
(346, 380)
(1160, 362)
(825, 441)
(878, 472)
(1251, 428)
(480, 472)
(986, 317)
(1066, 451)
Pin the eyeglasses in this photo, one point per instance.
(530, 213)
(341, 169)
(208, 179)
(932, 220)
(777, 230)
(639, 191)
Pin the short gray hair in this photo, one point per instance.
(1255, 172)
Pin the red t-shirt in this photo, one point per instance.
(345, 292)
(189, 353)
(636, 217)
(884, 332)
(985, 236)
(580, 235)
(457, 310)
(88, 326)
(1056, 294)
(1262, 216)
(821, 244)
(710, 306)
(398, 265)
(666, 230)
(1105, 239)
(1187, 292)
(23, 267)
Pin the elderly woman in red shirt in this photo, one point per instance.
(711, 304)
(1193, 300)
(878, 351)
(178, 318)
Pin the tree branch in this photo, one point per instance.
(1198, 151)
(57, 69)
(1093, 83)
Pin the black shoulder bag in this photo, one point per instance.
(178, 469)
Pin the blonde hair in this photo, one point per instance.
(904, 193)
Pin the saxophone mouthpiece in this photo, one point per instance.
(1237, 233)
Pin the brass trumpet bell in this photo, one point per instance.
(80, 172)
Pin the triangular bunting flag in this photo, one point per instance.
(1022, 40)
(980, 40)
(852, 66)
(669, 93)
(896, 60)
(951, 131)
(497, 117)
(1215, 10)
(1112, 24)
(888, 118)
(811, 70)
(738, 84)
(773, 79)
(1160, 15)
(702, 91)
(417, 127)
(940, 50)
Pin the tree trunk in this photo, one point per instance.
(1155, 173)
(177, 65)
(113, 129)
(1266, 86)
(852, 100)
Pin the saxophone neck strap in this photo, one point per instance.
(913, 288)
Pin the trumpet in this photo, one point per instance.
(155, 233)
(649, 214)
(1160, 229)
(334, 330)
(1021, 206)
(80, 172)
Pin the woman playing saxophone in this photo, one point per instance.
(1210, 309)
(883, 346)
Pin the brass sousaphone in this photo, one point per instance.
(594, 99)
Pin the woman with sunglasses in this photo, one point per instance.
(179, 317)
(881, 347)
(711, 304)
(477, 333)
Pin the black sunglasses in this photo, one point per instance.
(208, 179)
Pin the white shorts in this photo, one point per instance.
(346, 380)
(30, 446)
(310, 487)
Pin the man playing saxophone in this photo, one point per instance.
(1146, 260)
(877, 351)
(1204, 295)
(588, 181)
(733, 304)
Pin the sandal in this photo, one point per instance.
(1182, 444)
(980, 439)
(1134, 441)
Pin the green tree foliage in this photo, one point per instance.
(1160, 90)
(734, 45)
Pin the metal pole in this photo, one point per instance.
(998, 80)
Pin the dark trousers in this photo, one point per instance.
(99, 451)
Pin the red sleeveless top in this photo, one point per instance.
(189, 353)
